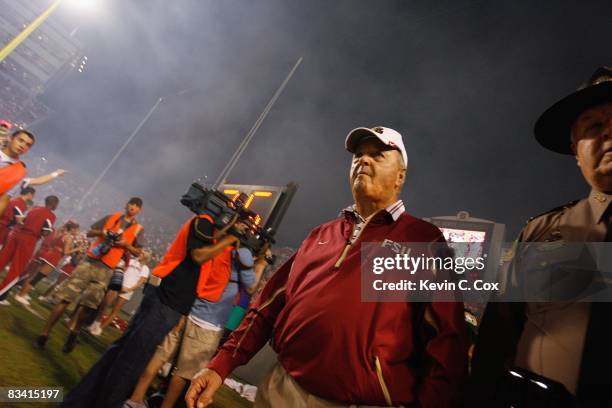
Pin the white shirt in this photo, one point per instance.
(204, 324)
(5, 160)
(134, 272)
(396, 209)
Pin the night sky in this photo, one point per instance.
(463, 81)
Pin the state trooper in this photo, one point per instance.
(557, 353)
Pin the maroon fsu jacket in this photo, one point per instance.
(341, 349)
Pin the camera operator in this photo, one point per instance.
(190, 346)
(116, 234)
(197, 265)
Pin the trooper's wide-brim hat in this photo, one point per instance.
(553, 128)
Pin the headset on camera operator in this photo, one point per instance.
(197, 265)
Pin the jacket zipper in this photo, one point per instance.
(381, 381)
(349, 244)
(431, 319)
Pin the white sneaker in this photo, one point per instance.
(5, 303)
(95, 328)
(22, 299)
(27, 296)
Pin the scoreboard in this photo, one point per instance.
(269, 202)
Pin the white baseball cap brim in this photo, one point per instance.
(388, 136)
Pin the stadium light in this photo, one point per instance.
(85, 5)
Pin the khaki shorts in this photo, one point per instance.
(89, 280)
(278, 389)
(194, 345)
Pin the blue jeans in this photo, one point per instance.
(112, 378)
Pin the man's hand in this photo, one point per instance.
(36, 181)
(264, 254)
(240, 227)
(121, 243)
(203, 386)
(265, 249)
(94, 233)
(207, 252)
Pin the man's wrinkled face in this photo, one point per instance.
(376, 171)
(592, 144)
(132, 209)
(19, 144)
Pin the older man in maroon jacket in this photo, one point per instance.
(333, 349)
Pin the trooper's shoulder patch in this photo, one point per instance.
(555, 210)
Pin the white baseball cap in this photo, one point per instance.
(388, 136)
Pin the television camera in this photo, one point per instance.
(231, 204)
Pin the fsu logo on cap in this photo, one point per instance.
(378, 130)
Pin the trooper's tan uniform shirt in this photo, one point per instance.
(552, 340)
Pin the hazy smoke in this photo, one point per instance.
(464, 83)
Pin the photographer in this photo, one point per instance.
(197, 265)
(115, 234)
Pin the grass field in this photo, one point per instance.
(24, 365)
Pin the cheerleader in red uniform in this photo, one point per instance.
(22, 241)
(15, 212)
(80, 244)
(54, 247)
